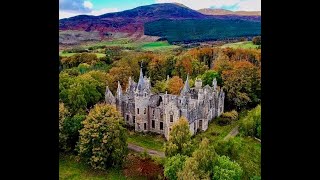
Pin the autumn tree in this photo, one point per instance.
(242, 84)
(174, 85)
(103, 138)
(225, 169)
(173, 165)
(256, 40)
(156, 69)
(179, 139)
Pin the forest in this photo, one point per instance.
(95, 133)
(190, 30)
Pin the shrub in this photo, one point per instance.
(233, 115)
(103, 140)
(145, 155)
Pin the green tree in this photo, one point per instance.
(173, 165)
(71, 128)
(191, 171)
(179, 139)
(63, 115)
(103, 139)
(160, 86)
(205, 155)
(225, 169)
(208, 76)
(251, 124)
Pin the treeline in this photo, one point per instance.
(191, 30)
(237, 71)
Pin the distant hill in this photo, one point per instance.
(193, 30)
(208, 11)
(132, 22)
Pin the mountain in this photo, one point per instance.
(208, 11)
(131, 22)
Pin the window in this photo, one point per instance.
(153, 125)
(134, 119)
(171, 118)
(138, 110)
(127, 117)
(127, 105)
(161, 125)
(145, 110)
(161, 117)
(145, 126)
(152, 111)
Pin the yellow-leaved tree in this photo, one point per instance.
(103, 139)
(179, 139)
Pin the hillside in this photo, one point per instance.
(131, 23)
(192, 30)
(208, 11)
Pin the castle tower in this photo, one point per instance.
(142, 96)
(198, 84)
(109, 98)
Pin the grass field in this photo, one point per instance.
(243, 45)
(71, 54)
(158, 46)
(70, 169)
(148, 141)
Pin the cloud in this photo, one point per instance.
(87, 4)
(67, 14)
(103, 11)
(74, 6)
(70, 8)
(243, 5)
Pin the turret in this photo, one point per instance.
(198, 83)
(142, 96)
(186, 87)
(109, 98)
(119, 98)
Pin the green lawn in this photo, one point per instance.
(243, 45)
(158, 46)
(155, 142)
(70, 169)
(71, 54)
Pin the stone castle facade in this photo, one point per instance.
(158, 112)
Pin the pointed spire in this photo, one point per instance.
(140, 85)
(119, 90)
(109, 98)
(186, 87)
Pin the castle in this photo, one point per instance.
(158, 112)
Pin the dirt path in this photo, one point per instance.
(232, 133)
(141, 149)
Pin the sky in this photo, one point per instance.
(69, 8)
